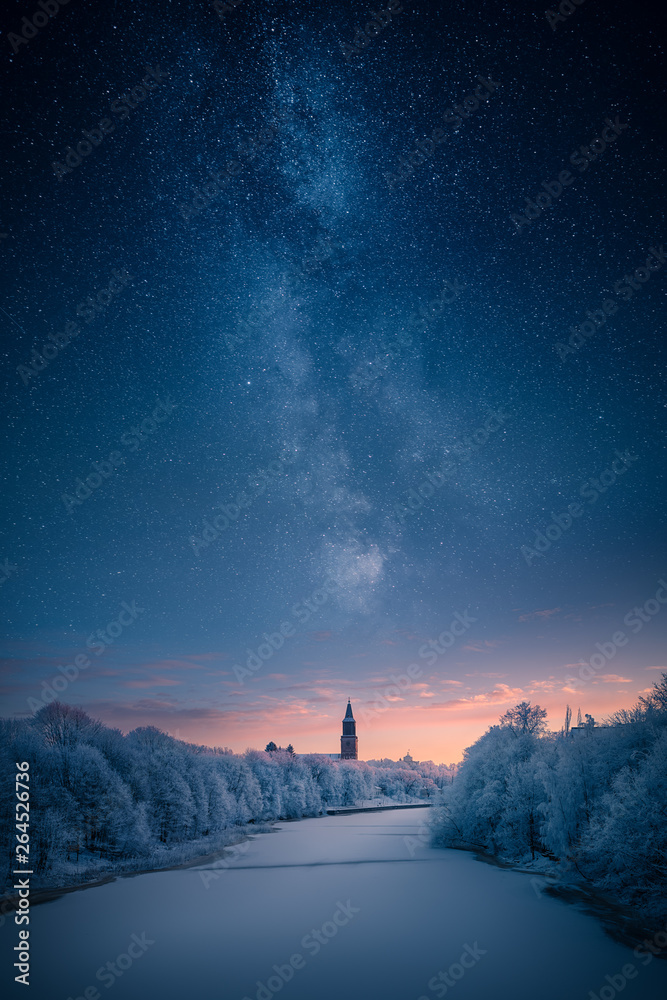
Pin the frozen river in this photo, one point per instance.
(347, 907)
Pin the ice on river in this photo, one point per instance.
(342, 907)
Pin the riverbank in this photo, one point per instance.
(98, 872)
(343, 810)
(619, 920)
(180, 857)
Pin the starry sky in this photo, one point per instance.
(295, 380)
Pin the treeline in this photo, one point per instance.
(100, 800)
(592, 799)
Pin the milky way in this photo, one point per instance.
(297, 296)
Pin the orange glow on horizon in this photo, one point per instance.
(435, 732)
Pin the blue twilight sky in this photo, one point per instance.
(259, 287)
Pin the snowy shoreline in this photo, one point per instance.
(53, 887)
(619, 920)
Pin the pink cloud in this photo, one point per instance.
(547, 613)
(208, 656)
(171, 665)
(483, 645)
(501, 694)
(154, 682)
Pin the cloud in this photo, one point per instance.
(173, 664)
(501, 694)
(153, 682)
(208, 656)
(322, 636)
(613, 679)
(547, 613)
(483, 645)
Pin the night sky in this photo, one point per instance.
(272, 319)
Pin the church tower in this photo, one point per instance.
(349, 744)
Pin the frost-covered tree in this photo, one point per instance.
(593, 798)
(525, 719)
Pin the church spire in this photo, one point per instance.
(349, 745)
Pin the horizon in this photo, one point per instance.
(370, 714)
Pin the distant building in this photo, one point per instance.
(349, 744)
(578, 732)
